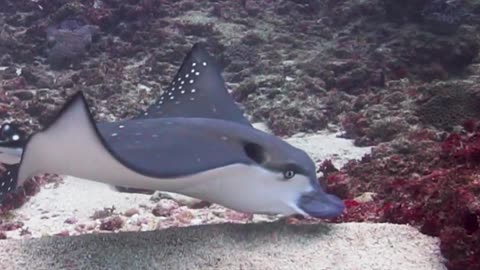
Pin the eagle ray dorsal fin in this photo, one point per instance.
(197, 90)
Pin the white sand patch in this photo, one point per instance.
(349, 246)
(327, 145)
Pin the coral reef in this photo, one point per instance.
(449, 104)
(402, 75)
(423, 181)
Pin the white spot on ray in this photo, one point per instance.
(192, 71)
(191, 81)
(121, 126)
(180, 87)
(9, 188)
(114, 134)
(11, 180)
(204, 64)
(197, 73)
(182, 92)
(171, 97)
(169, 93)
(8, 173)
(3, 184)
(146, 113)
(186, 75)
(6, 127)
(193, 90)
(15, 137)
(182, 82)
(192, 99)
(194, 64)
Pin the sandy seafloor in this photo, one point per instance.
(149, 241)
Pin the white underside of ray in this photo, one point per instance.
(71, 146)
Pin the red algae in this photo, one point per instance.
(30, 188)
(435, 188)
(111, 223)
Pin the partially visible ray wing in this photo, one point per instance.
(198, 90)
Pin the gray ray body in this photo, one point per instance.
(194, 140)
(182, 114)
(142, 145)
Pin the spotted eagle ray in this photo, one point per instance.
(194, 140)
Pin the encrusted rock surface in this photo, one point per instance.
(401, 75)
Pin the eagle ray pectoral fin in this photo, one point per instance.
(69, 145)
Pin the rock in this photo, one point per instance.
(71, 220)
(111, 223)
(23, 94)
(70, 43)
(183, 216)
(446, 104)
(39, 78)
(180, 199)
(252, 7)
(161, 210)
(444, 16)
(130, 212)
(105, 212)
(200, 205)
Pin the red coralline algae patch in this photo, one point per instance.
(434, 185)
(463, 149)
(111, 223)
(31, 187)
(10, 226)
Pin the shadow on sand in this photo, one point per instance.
(221, 246)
